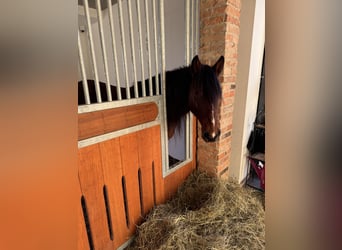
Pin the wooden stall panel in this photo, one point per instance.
(104, 121)
(158, 180)
(174, 180)
(130, 169)
(145, 154)
(130, 166)
(82, 238)
(112, 172)
(91, 181)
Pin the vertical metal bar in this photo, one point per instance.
(83, 72)
(112, 30)
(192, 12)
(187, 31)
(155, 46)
(196, 26)
(148, 46)
(122, 31)
(164, 135)
(141, 50)
(129, 6)
(92, 51)
(194, 52)
(103, 46)
(187, 61)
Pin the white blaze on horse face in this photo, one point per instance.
(213, 120)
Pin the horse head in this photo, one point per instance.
(205, 97)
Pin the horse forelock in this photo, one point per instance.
(205, 85)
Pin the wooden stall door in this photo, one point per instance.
(118, 185)
(121, 179)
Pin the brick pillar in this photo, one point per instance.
(219, 35)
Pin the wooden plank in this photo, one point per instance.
(91, 181)
(112, 172)
(109, 120)
(194, 142)
(145, 163)
(130, 166)
(82, 238)
(174, 180)
(157, 160)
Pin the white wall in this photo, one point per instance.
(250, 55)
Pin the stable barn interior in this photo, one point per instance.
(124, 167)
(127, 165)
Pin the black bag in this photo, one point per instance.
(256, 141)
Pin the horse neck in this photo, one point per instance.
(177, 93)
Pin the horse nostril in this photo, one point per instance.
(207, 138)
(206, 135)
(211, 138)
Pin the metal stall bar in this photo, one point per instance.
(92, 51)
(187, 61)
(141, 51)
(194, 42)
(148, 47)
(83, 72)
(192, 30)
(187, 31)
(155, 45)
(129, 6)
(122, 31)
(103, 46)
(196, 27)
(112, 31)
(164, 137)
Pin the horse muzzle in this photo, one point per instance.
(207, 137)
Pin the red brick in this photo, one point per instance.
(232, 20)
(221, 155)
(220, 27)
(213, 3)
(219, 35)
(233, 28)
(226, 111)
(224, 174)
(233, 11)
(205, 13)
(224, 161)
(235, 3)
(217, 38)
(222, 167)
(220, 9)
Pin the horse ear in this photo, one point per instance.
(195, 64)
(218, 67)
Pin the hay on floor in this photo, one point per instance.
(206, 213)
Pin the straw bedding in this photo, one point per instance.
(206, 213)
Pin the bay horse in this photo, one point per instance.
(192, 88)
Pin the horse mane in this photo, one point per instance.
(177, 93)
